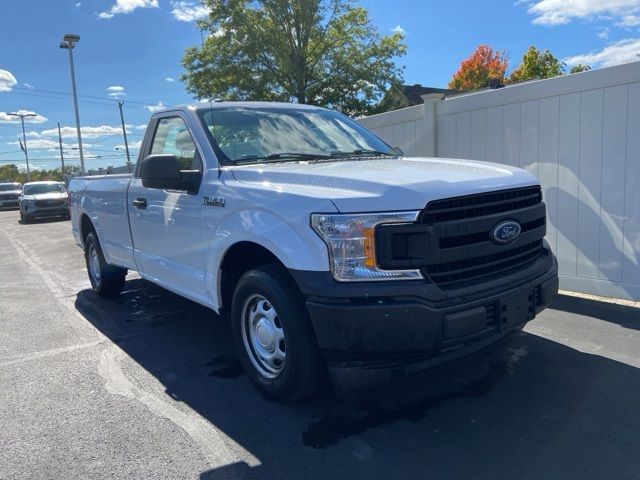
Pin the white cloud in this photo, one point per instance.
(156, 107)
(116, 91)
(127, 6)
(629, 21)
(87, 132)
(79, 4)
(4, 117)
(40, 143)
(169, 79)
(141, 127)
(616, 53)
(7, 80)
(603, 33)
(560, 12)
(27, 85)
(398, 29)
(188, 11)
(76, 154)
(132, 145)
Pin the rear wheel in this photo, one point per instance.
(106, 280)
(273, 334)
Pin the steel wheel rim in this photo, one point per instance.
(94, 264)
(263, 336)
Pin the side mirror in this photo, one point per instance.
(160, 171)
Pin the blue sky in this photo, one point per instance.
(131, 50)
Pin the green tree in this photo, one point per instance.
(12, 173)
(9, 172)
(320, 52)
(536, 64)
(579, 68)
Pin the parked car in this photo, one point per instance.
(326, 247)
(9, 194)
(44, 200)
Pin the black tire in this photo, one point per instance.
(110, 279)
(303, 367)
(26, 218)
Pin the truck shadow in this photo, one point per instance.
(36, 221)
(529, 408)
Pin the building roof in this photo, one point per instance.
(413, 93)
(402, 96)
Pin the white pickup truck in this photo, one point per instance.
(328, 250)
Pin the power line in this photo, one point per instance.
(56, 98)
(11, 125)
(138, 102)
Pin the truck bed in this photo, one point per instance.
(104, 199)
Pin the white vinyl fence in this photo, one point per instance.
(580, 134)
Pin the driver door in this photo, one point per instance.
(165, 224)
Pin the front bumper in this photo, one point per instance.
(9, 204)
(42, 212)
(390, 330)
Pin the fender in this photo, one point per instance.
(291, 240)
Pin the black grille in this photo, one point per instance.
(8, 196)
(49, 203)
(481, 204)
(482, 266)
(453, 242)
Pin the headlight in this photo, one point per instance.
(351, 242)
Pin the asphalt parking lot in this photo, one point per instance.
(148, 386)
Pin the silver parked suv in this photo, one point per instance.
(9, 194)
(43, 199)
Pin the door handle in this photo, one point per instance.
(140, 203)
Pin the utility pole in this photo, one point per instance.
(24, 137)
(124, 133)
(60, 143)
(68, 42)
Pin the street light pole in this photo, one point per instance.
(68, 43)
(124, 132)
(61, 154)
(24, 137)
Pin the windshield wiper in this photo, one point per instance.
(281, 156)
(364, 151)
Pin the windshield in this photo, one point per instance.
(43, 188)
(10, 187)
(254, 135)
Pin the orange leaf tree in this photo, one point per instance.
(483, 65)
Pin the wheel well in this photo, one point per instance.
(85, 227)
(241, 258)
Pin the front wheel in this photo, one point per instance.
(273, 334)
(106, 280)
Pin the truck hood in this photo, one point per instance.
(384, 184)
(46, 196)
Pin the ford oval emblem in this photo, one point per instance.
(506, 232)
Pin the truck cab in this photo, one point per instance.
(326, 248)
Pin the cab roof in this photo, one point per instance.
(43, 182)
(219, 105)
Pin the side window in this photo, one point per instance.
(172, 137)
